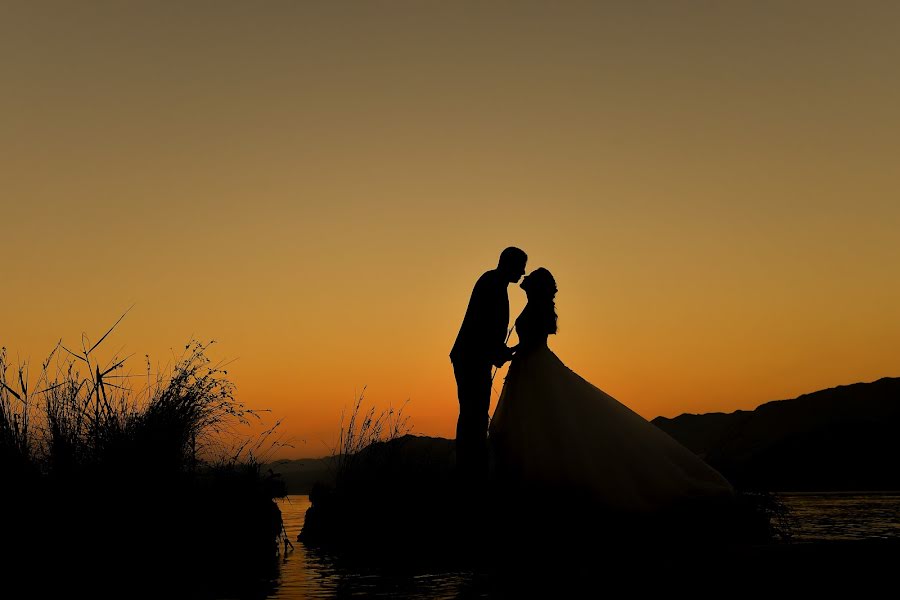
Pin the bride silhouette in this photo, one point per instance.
(554, 430)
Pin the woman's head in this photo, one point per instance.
(540, 287)
(539, 284)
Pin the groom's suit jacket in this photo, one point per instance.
(482, 336)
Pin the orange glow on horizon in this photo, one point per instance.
(318, 187)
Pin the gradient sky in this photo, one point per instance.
(317, 185)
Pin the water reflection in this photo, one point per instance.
(844, 516)
(311, 573)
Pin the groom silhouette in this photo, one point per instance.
(481, 343)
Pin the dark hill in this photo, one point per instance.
(843, 438)
(301, 475)
(411, 455)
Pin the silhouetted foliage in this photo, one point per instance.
(144, 482)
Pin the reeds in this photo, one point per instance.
(15, 449)
(90, 417)
(88, 446)
(362, 429)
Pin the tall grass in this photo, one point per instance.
(387, 485)
(15, 449)
(360, 430)
(89, 446)
(90, 417)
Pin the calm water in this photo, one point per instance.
(844, 516)
(308, 573)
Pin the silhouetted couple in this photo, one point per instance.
(552, 428)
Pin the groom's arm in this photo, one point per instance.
(505, 356)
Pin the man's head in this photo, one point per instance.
(512, 264)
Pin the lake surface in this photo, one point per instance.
(844, 516)
(307, 573)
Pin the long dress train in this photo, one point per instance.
(552, 428)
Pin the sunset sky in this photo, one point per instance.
(318, 185)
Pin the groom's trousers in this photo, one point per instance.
(473, 385)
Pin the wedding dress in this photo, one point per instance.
(552, 429)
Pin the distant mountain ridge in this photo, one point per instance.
(412, 455)
(842, 438)
(300, 475)
(839, 439)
